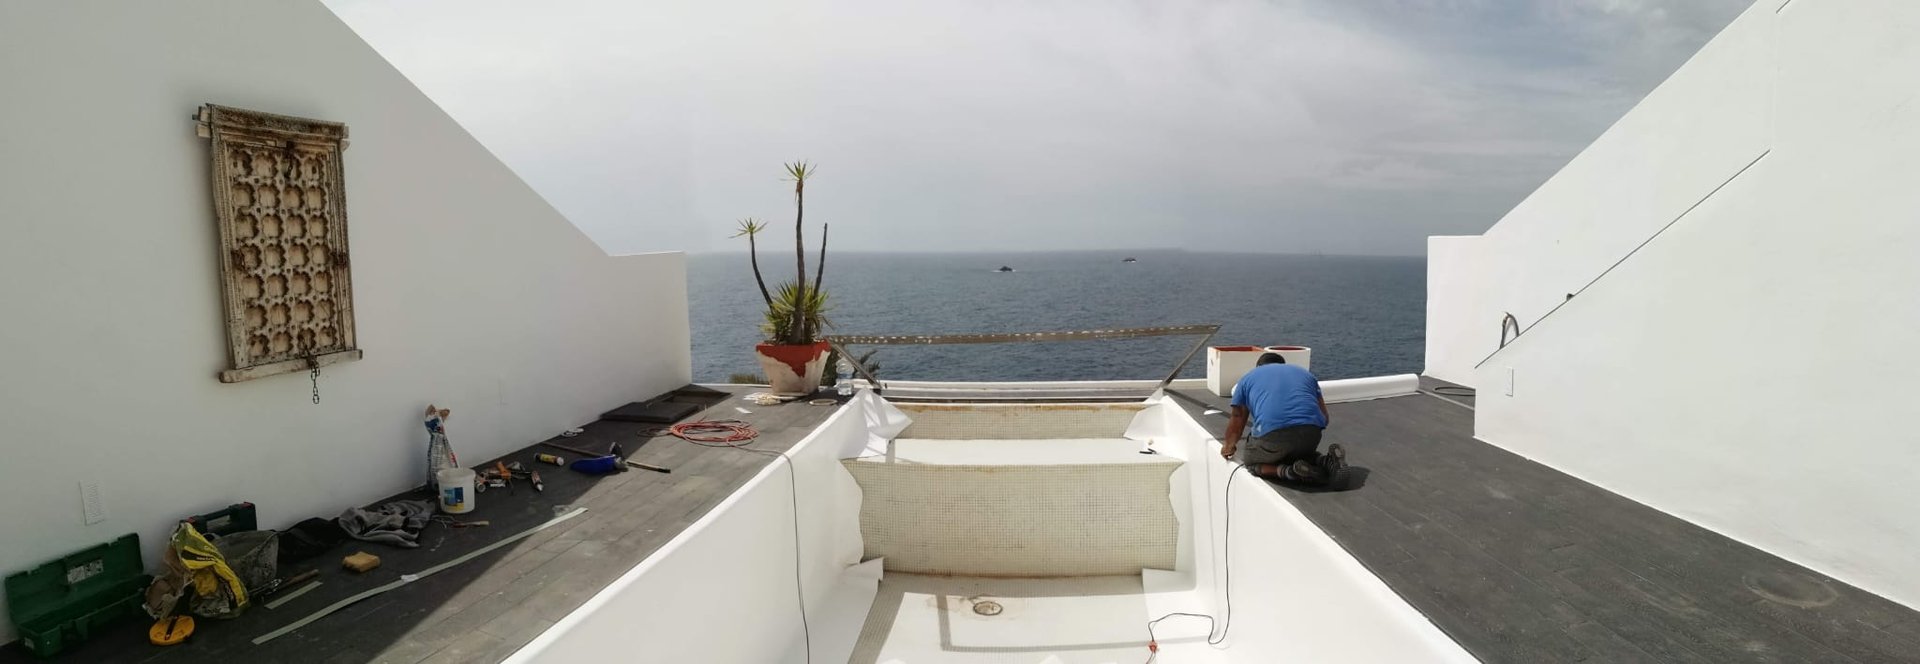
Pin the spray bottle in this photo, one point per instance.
(439, 451)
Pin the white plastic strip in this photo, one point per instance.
(410, 578)
(283, 599)
(1362, 389)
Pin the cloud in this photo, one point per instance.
(1349, 127)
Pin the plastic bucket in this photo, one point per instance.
(456, 490)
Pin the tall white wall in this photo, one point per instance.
(1748, 368)
(470, 291)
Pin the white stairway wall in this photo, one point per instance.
(1699, 128)
(1748, 369)
(470, 291)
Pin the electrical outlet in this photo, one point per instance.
(93, 507)
(1509, 381)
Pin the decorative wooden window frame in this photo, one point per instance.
(279, 196)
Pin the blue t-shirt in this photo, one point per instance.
(1279, 396)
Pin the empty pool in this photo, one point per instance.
(998, 533)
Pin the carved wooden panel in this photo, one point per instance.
(280, 199)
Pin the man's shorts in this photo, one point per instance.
(1281, 446)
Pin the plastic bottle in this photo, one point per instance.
(844, 377)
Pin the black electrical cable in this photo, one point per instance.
(1456, 390)
(1153, 642)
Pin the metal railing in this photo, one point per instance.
(839, 343)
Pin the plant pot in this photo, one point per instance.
(793, 369)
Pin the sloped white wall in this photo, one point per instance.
(1712, 118)
(470, 291)
(1748, 369)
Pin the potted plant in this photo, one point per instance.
(792, 356)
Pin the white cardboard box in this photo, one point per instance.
(1226, 364)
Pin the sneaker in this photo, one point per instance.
(1333, 465)
(1304, 471)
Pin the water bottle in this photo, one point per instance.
(844, 377)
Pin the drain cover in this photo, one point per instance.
(987, 607)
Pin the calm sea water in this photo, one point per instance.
(1362, 316)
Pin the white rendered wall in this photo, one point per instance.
(1295, 590)
(1749, 369)
(1693, 133)
(722, 591)
(1454, 329)
(470, 291)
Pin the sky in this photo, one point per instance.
(1284, 126)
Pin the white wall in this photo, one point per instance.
(1454, 332)
(1748, 369)
(470, 291)
(1699, 128)
(730, 576)
(1279, 558)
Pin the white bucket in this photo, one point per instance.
(456, 490)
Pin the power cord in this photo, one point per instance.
(736, 434)
(1153, 642)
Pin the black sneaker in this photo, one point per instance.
(1304, 471)
(1333, 465)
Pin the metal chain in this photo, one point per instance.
(314, 376)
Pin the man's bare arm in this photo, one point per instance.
(1236, 424)
(1323, 409)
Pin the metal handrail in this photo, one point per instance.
(839, 342)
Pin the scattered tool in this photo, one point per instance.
(360, 561)
(410, 578)
(620, 463)
(554, 459)
(537, 486)
(289, 582)
(170, 630)
(506, 476)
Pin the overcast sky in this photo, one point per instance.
(1337, 126)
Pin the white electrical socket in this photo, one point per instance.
(1509, 381)
(93, 506)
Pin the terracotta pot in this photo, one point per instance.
(793, 369)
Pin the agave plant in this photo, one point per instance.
(789, 307)
(796, 309)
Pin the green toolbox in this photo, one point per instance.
(59, 604)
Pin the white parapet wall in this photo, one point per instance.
(1293, 589)
(729, 588)
(1740, 253)
(470, 292)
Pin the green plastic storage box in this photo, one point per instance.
(59, 604)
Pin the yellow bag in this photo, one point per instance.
(193, 562)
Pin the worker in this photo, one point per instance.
(1288, 414)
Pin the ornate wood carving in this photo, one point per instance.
(280, 199)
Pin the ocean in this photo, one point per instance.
(1363, 316)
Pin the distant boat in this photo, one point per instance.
(1004, 268)
(1129, 259)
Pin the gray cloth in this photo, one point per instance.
(1281, 446)
(398, 523)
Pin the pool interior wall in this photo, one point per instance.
(725, 589)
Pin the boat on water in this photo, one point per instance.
(1129, 259)
(1004, 268)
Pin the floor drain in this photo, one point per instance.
(987, 607)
